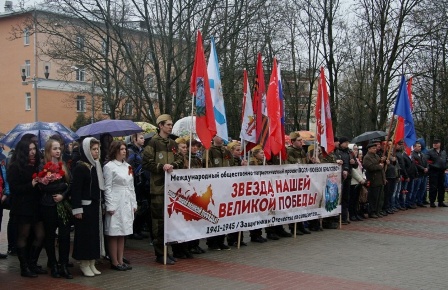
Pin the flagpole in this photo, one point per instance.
(191, 130)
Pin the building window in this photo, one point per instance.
(128, 108)
(27, 68)
(80, 75)
(28, 101)
(26, 36)
(105, 106)
(80, 42)
(80, 104)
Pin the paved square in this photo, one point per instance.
(407, 250)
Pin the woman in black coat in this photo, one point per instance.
(25, 199)
(87, 183)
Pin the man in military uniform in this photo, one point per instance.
(219, 156)
(160, 156)
(297, 155)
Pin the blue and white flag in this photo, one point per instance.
(216, 91)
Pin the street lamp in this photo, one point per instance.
(35, 82)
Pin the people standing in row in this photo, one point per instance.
(135, 151)
(218, 156)
(87, 183)
(52, 194)
(120, 203)
(437, 160)
(160, 156)
(376, 177)
(25, 200)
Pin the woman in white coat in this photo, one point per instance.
(120, 201)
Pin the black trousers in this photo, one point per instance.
(389, 189)
(345, 198)
(436, 185)
(354, 199)
(52, 222)
(373, 197)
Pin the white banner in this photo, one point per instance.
(202, 203)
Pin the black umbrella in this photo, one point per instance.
(366, 136)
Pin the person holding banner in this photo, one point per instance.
(297, 155)
(235, 149)
(257, 158)
(180, 250)
(194, 162)
(160, 156)
(219, 156)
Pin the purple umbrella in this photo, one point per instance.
(114, 127)
(42, 130)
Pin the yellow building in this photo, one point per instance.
(52, 99)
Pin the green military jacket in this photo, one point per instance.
(157, 153)
(195, 162)
(296, 155)
(329, 158)
(219, 156)
(255, 161)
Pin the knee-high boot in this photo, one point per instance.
(34, 256)
(24, 268)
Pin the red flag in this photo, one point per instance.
(273, 106)
(282, 112)
(324, 125)
(399, 130)
(200, 87)
(410, 94)
(260, 110)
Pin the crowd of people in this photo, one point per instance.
(107, 191)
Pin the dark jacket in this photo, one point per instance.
(436, 160)
(84, 185)
(392, 169)
(24, 197)
(346, 155)
(407, 167)
(419, 159)
(374, 171)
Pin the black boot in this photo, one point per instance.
(55, 271)
(23, 259)
(64, 272)
(301, 228)
(34, 256)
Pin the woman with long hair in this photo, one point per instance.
(54, 213)
(120, 203)
(87, 183)
(25, 199)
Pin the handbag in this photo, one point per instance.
(363, 194)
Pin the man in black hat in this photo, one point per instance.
(376, 178)
(437, 165)
(344, 154)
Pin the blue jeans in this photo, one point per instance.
(410, 188)
(421, 194)
(402, 195)
(415, 190)
(395, 202)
